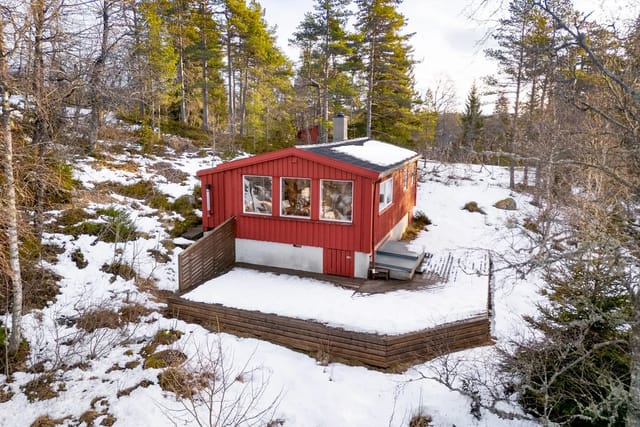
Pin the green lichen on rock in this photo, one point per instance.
(507, 204)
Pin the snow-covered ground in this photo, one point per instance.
(308, 393)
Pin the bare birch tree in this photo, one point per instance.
(10, 205)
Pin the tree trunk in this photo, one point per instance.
(324, 109)
(370, 87)
(181, 77)
(39, 135)
(516, 112)
(11, 213)
(230, 83)
(205, 88)
(95, 79)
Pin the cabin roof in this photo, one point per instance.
(376, 156)
(362, 156)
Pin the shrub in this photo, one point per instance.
(99, 318)
(133, 312)
(119, 269)
(14, 362)
(72, 216)
(119, 226)
(116, 226)
(179, 381)
(41, 388)
(148, 139)
(165, 359)
(159, 256)
(473, 207)
(174, 127)
(420, 420)
(78, 258)
(420, 220)
(142, 190)
(160, 201)
(47, 421)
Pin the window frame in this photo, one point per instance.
(387, 186)
(244, 211)
(282, 188)
(405, 177)
(344, 221)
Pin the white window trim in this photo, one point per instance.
(405, 177)
(282, 214)
(386, 189)
(344, 221)
(243, 205)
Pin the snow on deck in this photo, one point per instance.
(391, 313)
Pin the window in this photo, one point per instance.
(337, 200)
(386, 193)
(296, 197)
(257, 194)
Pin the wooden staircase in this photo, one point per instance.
(401, 262)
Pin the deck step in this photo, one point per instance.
(397, 249)
(401, 262)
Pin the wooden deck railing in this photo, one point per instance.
(209, 257)
(319, 340)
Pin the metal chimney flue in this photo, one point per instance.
(339, 127)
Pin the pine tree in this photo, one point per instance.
(472, 124)
(388, 71)
(324, 42)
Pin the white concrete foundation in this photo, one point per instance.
(361, 265)
(281, 255)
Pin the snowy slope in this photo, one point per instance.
(310, 394)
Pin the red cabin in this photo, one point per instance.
(324, 208)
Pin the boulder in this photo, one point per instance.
(507, 204)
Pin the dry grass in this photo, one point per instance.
(179, 381)
(473, 207)
(47, 421)
(133, 312)
(99, 318)
(127, 391)
(5, 393)
(41, 388)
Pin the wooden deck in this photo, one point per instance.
(386, 352)
(326, 343)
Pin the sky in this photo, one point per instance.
(447, 43)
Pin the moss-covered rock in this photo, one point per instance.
(507, 204)
(165, 359)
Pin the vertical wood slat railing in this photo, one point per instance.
(209, 257)
(319, 340)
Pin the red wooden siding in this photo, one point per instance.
(338, 262)
(227, 201)
(339, 239)
(403, 202)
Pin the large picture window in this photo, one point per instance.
(337, 200)
(386, 193)
(257, 194)
(296, 197)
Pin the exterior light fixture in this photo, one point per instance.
(208, 189)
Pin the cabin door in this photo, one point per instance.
(338, 262)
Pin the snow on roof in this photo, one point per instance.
(368, 153)
(380, 153)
